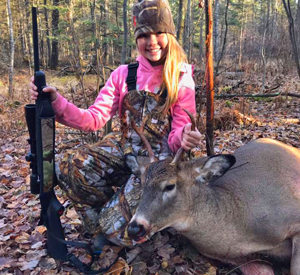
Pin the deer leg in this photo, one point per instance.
(295, 261)
(257, 269)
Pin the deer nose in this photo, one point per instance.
(135, 230)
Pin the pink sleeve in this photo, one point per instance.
(96, 116)
(186, 100)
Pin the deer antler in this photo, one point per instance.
(181, 150)
(139, 131)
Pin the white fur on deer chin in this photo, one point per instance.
(182, 225)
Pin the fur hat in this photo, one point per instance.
(152, 16)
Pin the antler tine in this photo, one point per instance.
(192, 119)
(180, 150)
(177, 156)
(139, 131)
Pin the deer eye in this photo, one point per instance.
(169, 187)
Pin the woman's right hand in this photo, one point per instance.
(34, 94)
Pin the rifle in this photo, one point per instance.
(40, 120)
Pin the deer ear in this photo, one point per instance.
(214, 167)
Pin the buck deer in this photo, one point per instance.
(234, 208)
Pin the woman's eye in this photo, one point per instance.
(143, 35)
(169, 187)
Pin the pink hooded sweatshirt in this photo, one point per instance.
(111, 96)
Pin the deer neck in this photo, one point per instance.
(211, 208)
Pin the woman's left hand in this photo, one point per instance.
(190, 139)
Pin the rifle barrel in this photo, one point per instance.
(35, 39)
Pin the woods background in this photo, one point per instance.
(83, 36)
(257, 91)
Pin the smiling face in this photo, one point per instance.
(153, 46)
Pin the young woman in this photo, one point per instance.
(152, 94)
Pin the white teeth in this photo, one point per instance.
(154, 51)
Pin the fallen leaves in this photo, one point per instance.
(120, 267)
(23, 238)
(132, 254)
(5, 262)
(28, 265)
(166, 251)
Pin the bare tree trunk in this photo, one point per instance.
(125, 34)
(94, 30)
(96, 60)
(289, 14)
(77, 56)
(116, 46)
(21, 25)
(187, 28)
(268, 17)
(298, 13)
(12, 48)
(117, 14)
(242, 36)
(201, 38)
(192, 34)
(55, 19)
(297, 23)
(263, 51)
(111, 52)
(216, 29)
(209, 73)
(48, 34)
(108, 125)
(273, 27)
(27, 34)
(263, 56)
(104, 31)
(180, 22)
(225, 38)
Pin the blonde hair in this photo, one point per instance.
(175, 58)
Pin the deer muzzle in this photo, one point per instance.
(138, 229)
(135, 230)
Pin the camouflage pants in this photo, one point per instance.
(102, 188)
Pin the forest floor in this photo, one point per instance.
(22, 242)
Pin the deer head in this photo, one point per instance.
(169, 187)
(170, 192)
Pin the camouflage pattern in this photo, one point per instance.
(47, 128)
(103, 180)
(143, 108)
(152, 16)
(117, 213)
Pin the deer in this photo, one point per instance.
(242, 209)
